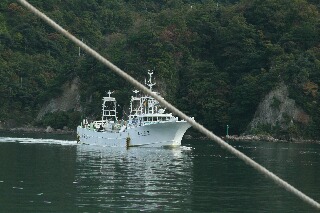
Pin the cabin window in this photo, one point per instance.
(149, 118)
(145, 119)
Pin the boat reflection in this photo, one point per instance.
(143, 178)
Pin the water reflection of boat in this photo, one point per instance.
(147, 125)
(135, 178)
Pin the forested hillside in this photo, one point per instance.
(215, 60)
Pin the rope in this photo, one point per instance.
(174, 110)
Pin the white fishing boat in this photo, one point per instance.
(148, 124)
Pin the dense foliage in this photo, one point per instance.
(215, 60)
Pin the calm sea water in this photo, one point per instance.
(39, 174)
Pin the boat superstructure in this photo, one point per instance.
(148, 124)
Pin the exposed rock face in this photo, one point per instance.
(70, 99)
(49, 129)
(278, 109)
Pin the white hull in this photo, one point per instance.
(152, 135)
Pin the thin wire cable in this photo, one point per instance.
(174, 110)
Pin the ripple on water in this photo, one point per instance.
(204, 178)
(37, 141)
(142, 178)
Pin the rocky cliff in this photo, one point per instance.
(278, 111)
(69, 99)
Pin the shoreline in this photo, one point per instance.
(267, 138)
(228, 138)
(256, 138)
(48, 130)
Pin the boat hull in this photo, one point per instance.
(152, 135)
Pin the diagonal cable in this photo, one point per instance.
(174, 110)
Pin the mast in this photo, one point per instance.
(150, 84)
(149, 103)
(109, 108)
(135, 104)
